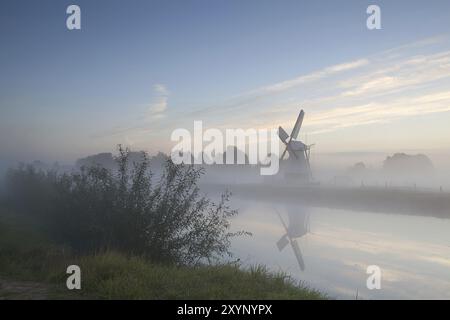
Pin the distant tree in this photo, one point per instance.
(357, 168)
(401, 163)
(105, 160)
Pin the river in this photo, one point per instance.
(330, 249)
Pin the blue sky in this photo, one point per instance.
(139, 69)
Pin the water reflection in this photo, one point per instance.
(331, 249)
(296, 227)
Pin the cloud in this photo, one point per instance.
(417, 70)
(158, 106)
(249, 98)
(378, 79)
(152, 114)
(161, 89)
(330, 120)
(406, 81)
(382, 88)
(311, 77)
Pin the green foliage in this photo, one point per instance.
(97, 209)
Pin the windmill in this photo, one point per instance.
(297, 150)
(297, 227)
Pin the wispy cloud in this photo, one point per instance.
(149, 113)
(384, 87)
(314, 76)
(417, 70)
(158, 106)
(357, 115)
(406, 81)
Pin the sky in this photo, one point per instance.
(137, 70)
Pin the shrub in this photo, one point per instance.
(97, 209)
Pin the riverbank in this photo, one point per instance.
(33, 268)
(370, 199)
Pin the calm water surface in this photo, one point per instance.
(331, 249)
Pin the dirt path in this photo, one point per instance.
(22, 290)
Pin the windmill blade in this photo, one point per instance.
(298, 254)
(284, 152)
(283, 242)
(282, 134)
(282, 221)
(298, 125)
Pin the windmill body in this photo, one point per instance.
(296, 166)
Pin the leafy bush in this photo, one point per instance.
(98, 209)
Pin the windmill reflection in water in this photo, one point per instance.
(296, 226)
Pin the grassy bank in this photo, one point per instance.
(26, 255)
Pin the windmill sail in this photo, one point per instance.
(298, 125)
(298, 254)
(282, 134)
(283, 242)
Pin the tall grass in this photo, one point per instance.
(114, 276)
